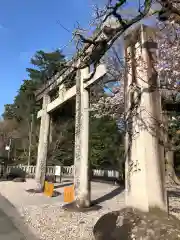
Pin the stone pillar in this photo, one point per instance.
(62, 90)
(84, 174)
(77, 147)
(81, 175)
(43, 143)
(144, 150)
(50, 130)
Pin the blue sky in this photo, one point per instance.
(30, 25)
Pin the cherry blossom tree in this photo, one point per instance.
(169, 76)
(111, 103)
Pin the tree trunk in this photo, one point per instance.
(171, 177)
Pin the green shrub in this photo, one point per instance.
(16, 173)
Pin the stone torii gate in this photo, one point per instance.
(145, 167)
(48, 106)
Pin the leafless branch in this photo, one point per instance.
(102, 45)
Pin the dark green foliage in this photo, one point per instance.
(174, 135)
(16, 173)
(25, 107)
(25, 100)
(163, 15)
(22, 111)
(9, 111)
(106, 143)
(177, 162)
(62, 148)
(46, 65)
(174, 127)
(24, 103)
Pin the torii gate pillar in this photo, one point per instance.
(145, 166)
(43, 143)
(81, 160)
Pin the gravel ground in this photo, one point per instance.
(48, 221)
(51, 222)
(46, 218)
(174, 201)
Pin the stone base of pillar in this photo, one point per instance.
(131, 223)
(73, 207)
(145, 185)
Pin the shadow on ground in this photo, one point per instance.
(173, 194)
(11, 224)
(37, 191)
(175, 210)
(63, 185)
(108, 196)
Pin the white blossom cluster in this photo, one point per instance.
(167, 66)
(112, 105)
